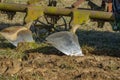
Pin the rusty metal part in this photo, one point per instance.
(109, 7)
(77, 3)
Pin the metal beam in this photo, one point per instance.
(58, 11)
(13, 7)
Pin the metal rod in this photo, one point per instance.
(13, 7)
(58, 11)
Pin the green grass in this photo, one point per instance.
(14, 77)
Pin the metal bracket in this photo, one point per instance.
(78, 18)
(33, 13)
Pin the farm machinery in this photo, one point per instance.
(60, 33)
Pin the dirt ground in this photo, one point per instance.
(101, 47)
(41, 66)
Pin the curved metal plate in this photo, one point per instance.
(66, 42)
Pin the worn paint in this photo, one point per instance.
(33, 13)
(80, 17)
(33, 2)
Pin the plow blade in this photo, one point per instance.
(17, 34)
(66, 42)
(23, 36)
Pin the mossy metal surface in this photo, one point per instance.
(80, 17)
(13, 7)
(33, 1)
(34, 12)
(55, 11)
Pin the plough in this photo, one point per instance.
(61, 36)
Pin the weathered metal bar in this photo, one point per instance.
(93, 14)
(102, 15)
(13, 7)
(58, 11)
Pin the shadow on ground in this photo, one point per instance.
(104, 43)
(5, 44)
(5, 25)
(46, 50)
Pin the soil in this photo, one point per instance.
(101, 61)
(40, 66)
